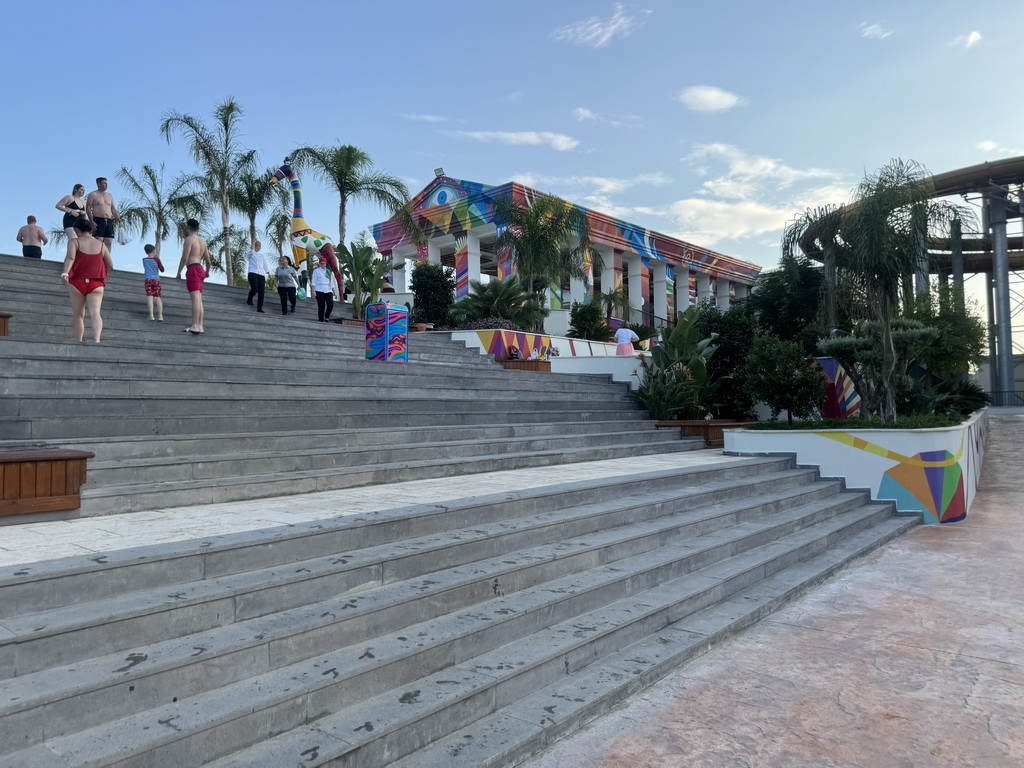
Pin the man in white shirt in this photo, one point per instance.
(257, 275)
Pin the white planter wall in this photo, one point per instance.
(931, 471)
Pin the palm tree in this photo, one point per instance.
(251, 195)
(349, 171)
(364, 270)
(500, 298)
(219, 151)
(615, 301)
(158, 206)
(876, 243)
(228, 252)
(550, 240)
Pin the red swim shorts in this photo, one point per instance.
(153, 288)
(85, 285)
(194, 276)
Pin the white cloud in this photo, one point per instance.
(993, 147)
(705, 222)
(708, 98)
(748, 176)
(597, 32)
(582, 114)
(874, 31)
(969, 40)
(426, 118)
(558, 141)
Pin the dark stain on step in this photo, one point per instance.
(410, 697)
(310, 754)
(367, 726)
(367, 654)
(133, 659)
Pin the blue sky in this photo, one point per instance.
(711, 122)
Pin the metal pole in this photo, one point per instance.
(993, 359)
(1001, 279)
(956, 244)
(829, 273)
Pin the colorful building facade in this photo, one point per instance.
(659, 272)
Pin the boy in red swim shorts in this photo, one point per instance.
(195, 255)
(152, 267)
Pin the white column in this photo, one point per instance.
(742, 291)
(607, 268)
(659, 287)
(704, 288)
(682, 289)
(399, 277)
(433, 252)
(577, 290)
(722, 300)
(473, 256)
(636, 296)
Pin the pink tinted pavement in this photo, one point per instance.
(912, 657)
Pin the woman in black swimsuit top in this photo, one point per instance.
(69, 203)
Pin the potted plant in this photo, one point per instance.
(364, 272)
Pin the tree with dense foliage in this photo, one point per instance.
(550, 241)
(876, 242)
(499, 298)
(960, 343)
(784, 377)
(218, 150)
(433, 287)
(349, 171)
(735, 330)
(787, 301)
(153, 204)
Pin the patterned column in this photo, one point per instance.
(461, 267)
(423, 253)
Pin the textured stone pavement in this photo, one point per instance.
(912, 657)
(32, 542)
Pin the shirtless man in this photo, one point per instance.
(100, 208)
(32, 239)
(194, 254)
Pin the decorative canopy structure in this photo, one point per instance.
(458, 217)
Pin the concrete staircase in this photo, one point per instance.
(468, 633)
(266, 405)
(463, 632)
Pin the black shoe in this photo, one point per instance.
(249, 303)
(260, 310)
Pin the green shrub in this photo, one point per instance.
(783, 377)
(586, 321)
(434, 289)
(920, 421)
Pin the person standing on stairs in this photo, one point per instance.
(194, 255)
(624, 338)
(258, 271)
(73, 207)
(85, 273)
(323, 284)
(152, 267)
(100, 208)
(32, 239)
(287, 279)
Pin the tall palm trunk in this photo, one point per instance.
(341, 220)
(225, 220)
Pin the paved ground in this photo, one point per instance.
(913, 657)
(32, 542)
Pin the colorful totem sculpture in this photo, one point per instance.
(306, 240)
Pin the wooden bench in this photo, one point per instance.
(709, 429)
(40, 479)
(4, 327)
(525, 365)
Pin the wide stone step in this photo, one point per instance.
(529, 725)
(121, 498)
(60, 699)
(569, 620)
(129, 470)
(41, 427)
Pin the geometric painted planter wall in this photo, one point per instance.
(931, 471)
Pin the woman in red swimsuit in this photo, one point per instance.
(85, 273)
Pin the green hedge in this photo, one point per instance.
(920, 421)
